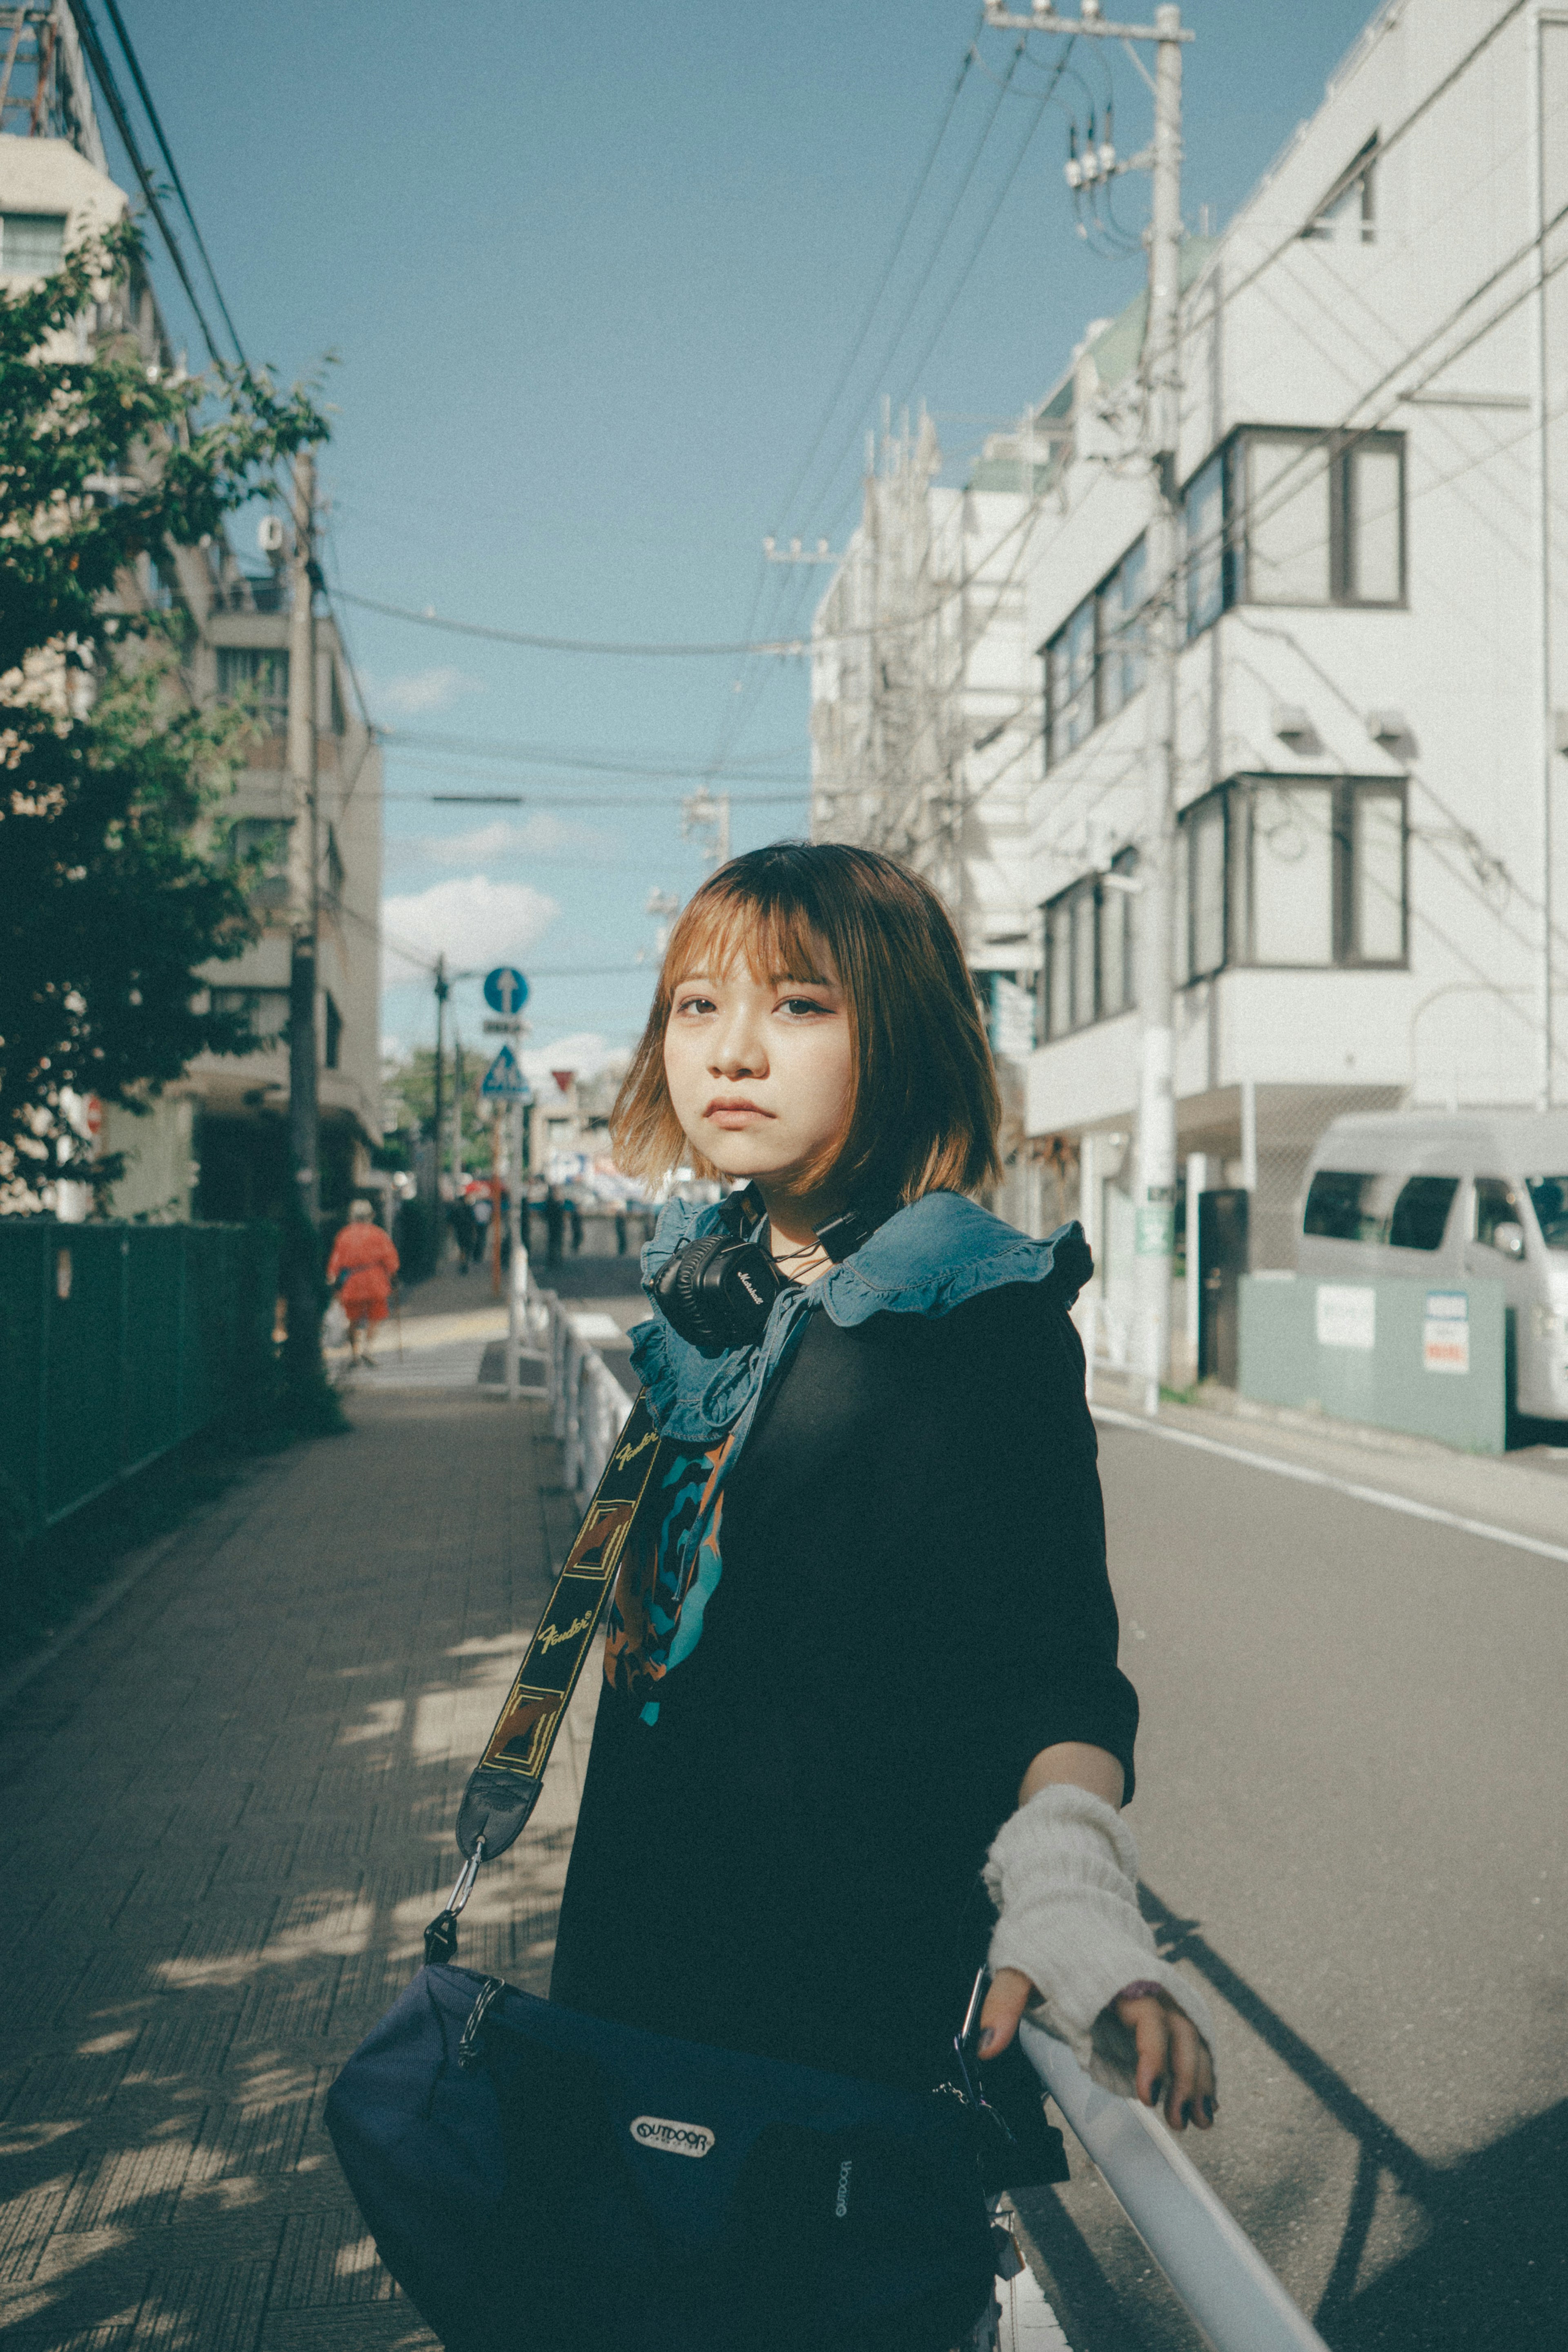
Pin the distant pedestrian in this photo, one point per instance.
(365, 1262)
(555, 1223)
(482, 1212)
(574, 1220)
(460, 1217)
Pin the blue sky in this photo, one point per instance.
(590, 276)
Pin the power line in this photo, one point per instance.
(87, 33)
(118, 21)
(894, 253)
(546, 755)
(430, 620)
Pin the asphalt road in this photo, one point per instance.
(1352, 1773)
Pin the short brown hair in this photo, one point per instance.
(924, 1109)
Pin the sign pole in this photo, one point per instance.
(495, 1126)
(519, 1266)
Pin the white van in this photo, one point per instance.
(1450, 1195)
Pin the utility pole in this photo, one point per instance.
(304, 847)
(443, 990)
(304, 1371)
(1155, 1180)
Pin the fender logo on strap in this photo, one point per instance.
(527, 1725)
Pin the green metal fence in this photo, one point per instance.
(116, 1343)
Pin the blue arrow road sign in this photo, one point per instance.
(505, 990)
(506, 1080)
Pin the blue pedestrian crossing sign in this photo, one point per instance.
(505, 990)
(505, 1079)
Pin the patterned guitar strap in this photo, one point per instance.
(504, 1786)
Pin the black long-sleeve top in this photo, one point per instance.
(913, 1601)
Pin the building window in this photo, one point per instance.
(332, 1043)
(1294, 517)
(264, 1011)
(1088, 973)
(1294, 871)
(32, 245)
(1348, 213)
(1206, 513)
(339, 720)
(257, 674)
(1008, 1005)
(1070, 684)
(334, 877)
(1094, 663)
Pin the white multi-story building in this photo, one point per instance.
(1373, 689)
(216, 1143)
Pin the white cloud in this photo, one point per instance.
(538, 835)
(470, 919)
(421, 690)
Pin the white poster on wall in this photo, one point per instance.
(1445, 1332)
(1347, 1316)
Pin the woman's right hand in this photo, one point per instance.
(1175, 2066)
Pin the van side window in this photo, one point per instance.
(1497, 1204)
(1343, 1206)
(1421, 1212)
(1548, 1197)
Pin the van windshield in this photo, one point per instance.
(1549, 1199)
(1348, 1205)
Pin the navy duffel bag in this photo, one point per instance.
(538, 2180)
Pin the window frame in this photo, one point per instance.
(1105, 646)
(1235, 796)
(1089, 891)
(1231, 455)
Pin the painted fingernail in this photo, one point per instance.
(1208, 2109)
(1156, 2090)
(987, 2041)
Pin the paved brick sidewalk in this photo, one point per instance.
(228, 1814)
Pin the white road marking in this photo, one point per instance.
(1308, 1477)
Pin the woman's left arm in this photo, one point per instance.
(1064, 1861)
(1070, 1943)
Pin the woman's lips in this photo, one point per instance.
(735, 1114)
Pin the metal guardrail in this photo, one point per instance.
(587, 1404)
(1110, 1346)
(1226, 2286)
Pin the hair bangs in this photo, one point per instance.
(774, 937)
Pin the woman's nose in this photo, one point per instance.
(738, 1052)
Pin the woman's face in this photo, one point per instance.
(759, 1071)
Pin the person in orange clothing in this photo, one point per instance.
(365, 1261)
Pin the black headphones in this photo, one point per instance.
(719, 1292)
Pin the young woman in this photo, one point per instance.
(865, 1650)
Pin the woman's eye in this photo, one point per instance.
(798, 1005)
(694, 1004)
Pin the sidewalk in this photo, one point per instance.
(450, 1332)
(229, 1812)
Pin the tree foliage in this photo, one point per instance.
(116, 880)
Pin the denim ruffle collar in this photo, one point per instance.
(925, 1260)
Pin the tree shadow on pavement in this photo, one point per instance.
(230, 1814)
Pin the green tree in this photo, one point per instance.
(116, 878)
